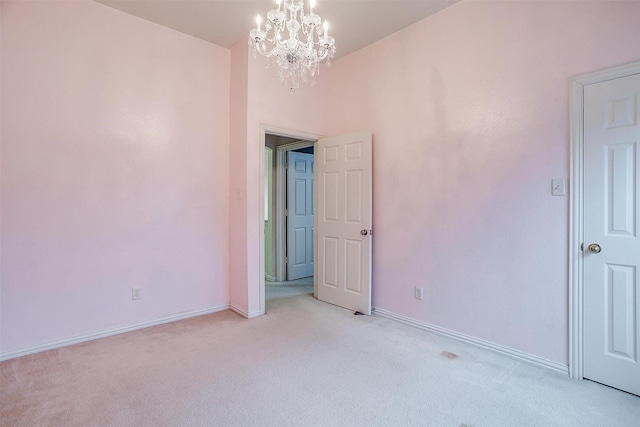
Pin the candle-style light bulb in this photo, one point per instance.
(258, 21)
(326, 28)
(278, 3)
(312, 4)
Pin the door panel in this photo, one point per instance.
(300, 220)
(619, 319)
(344, 197)
(620, 167)
(612, 212)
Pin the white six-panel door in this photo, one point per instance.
(300, 218)
(611, 243)
(343, 220)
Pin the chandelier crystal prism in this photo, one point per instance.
(295, 41)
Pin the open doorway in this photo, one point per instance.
(343, 155)
(289, 217)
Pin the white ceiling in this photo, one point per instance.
(353, 23)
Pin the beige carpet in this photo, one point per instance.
(305, 363)
(277, 290)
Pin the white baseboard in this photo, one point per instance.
(107, 333)
(515, 354)
(241, 311)
(244, 313)
(255, 314)
(270, 278)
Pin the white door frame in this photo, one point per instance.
(576, 207)
(271, 130)
(281, 203)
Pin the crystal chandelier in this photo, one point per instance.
(298, 56)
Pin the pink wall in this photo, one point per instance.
(238, 181)
(469, 110)
(114, 171)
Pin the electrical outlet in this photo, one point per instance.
(418, 293)
(136, 293)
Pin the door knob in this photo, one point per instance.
(595, 248)
(364, 232)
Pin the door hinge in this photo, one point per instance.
(286, 212)
(286, 260)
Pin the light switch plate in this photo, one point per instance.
(558, 187)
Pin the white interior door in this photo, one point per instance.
(343, 221)
(611, 244)
(300, 221)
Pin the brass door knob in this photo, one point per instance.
(364, 232)
(595, 248)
